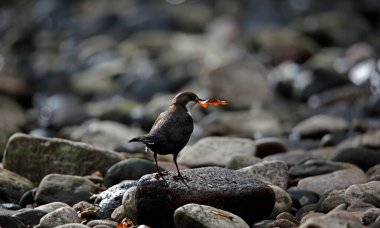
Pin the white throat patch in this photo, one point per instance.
(189, 106)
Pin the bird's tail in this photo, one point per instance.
(142, 139)
(135, 140)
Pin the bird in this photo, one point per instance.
(172, 129)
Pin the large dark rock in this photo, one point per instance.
(362, 157)
(157, 199)
(35, 157)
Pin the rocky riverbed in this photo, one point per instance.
(297, 146)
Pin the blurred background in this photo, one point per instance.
(100, 71)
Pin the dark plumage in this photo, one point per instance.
(172, 129)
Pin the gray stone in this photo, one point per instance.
(364, 193)
(302, 198)
(287, 216)
(362, 157)
(58, 217)
(111, 198)
(339, 219)
(129, 169)
(283, 223)
(319, 125)
(30, 217)
(202, 216)
(331, 200)
(242, 161)
(105, 134)
(49, 207)
(73, 225)
(35, 157)
(64, 188)
(157, 199)
(283, 201)
(215, 151)
(13, 186)
(335, 180)
(370, 216)
(316, 167)
(374, 172)
(291, 158)
(370, 139)
(102, 222)
(129, 204)
(273, 172)
(118, 214)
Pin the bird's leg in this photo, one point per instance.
(179, 176)
(160, 174)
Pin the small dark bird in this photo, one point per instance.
(172, 129)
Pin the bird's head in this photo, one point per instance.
(186, 99)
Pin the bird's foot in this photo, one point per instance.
(161, 174)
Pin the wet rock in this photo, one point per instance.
(98, 222)
(61, 110)
(316, 167)
(374, 172)
(215, 151)
(49, 207)
(192, 215)
(362, 157)
(241, 82)
(129, 169)
(129, 204)
(273, 172)
(8, 221)
(330, 200)
(291, 158)
(58, 217)
(35, 157)
(12, 186)
(12, 118)
(269, 146)
(336, 219)
(111, 198)
(156, 199)
(317, 126)
(242, 161)
(64, 188)
(301, 198)
(370, 139)
(335, 180)
(370, 216)
(247, 123)
(367, 193)
(30, 217)
(106, 134)
(283, 201)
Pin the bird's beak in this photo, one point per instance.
(201, 102)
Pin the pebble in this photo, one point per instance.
(97, 222)
(374, 172)
(336, 219)
(64, 188)
(283, 201)
(317, 126)
(362, 157)
(370, 216)
(291, 158)
(316, 167)
(269, 146)
(129, 169)
(335, 180)
(215, 151)
(58, 217)
(366, 193)
(242, 161)
(49, 207)
(370, 139)
(29, 217)
(191, 215)
(73, 225)
(157, 199)
(35, 157)
(274, 172)
(331, 199)
(13, 186)
(302, 198)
